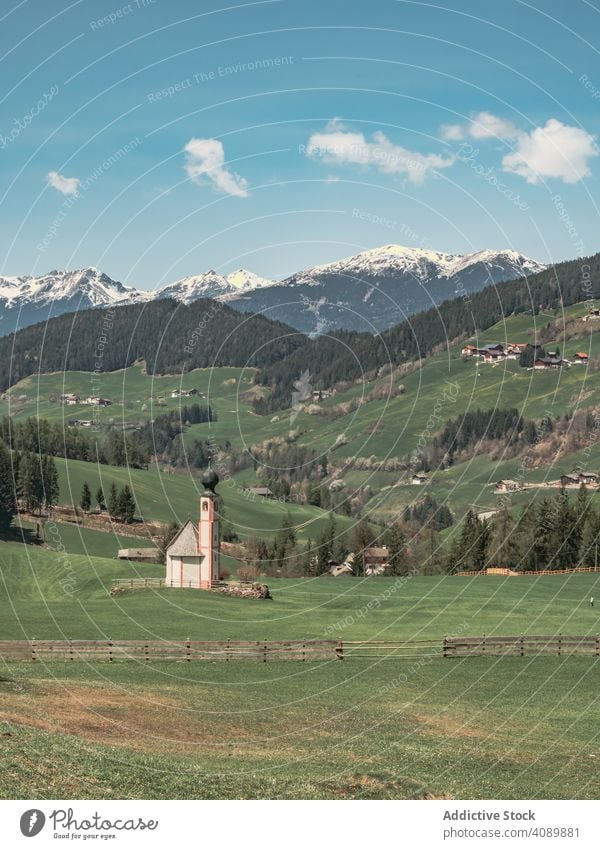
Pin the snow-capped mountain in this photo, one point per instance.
(422, 265)
(212, 285)
(27, 300)
(370, 291)
(378, 288)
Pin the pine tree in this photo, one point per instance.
(472, 544)
(362, 537)
(30, 487)
(503, 550)
(591, 540)
(565, 534)
(126, 505)
(8, 500)
(309, 560)
(113, 502)
(395, 541)
(86, 498)
(325, 544)
(50, 482)
(100, 499)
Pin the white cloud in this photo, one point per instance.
(64, 185)
(337, 144)
(205, 159)
(554, 150)
(485, 125)
(452, 132)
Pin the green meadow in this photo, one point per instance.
(381, 727)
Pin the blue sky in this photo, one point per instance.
(161, 139)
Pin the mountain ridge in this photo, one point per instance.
(369, 291)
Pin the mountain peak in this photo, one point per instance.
(368, 291)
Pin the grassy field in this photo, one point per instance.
(364, 728)
(34, 605)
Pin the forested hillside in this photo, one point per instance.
(172, 338)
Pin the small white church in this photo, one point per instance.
(193, 555)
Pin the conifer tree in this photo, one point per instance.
(30, 482)
(113, 501)
(325, 544)
(503, 550)
(50, 482)
(100, 499)
(591, 540)
(126, 505)
(86, 498)
(395, 540)
(8, 499)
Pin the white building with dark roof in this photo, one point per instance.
(193, 555)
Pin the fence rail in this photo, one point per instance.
(181, 650)
(298, 650)
(159, 583)
(501, 572)
(524, 644)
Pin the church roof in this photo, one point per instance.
(185, 541)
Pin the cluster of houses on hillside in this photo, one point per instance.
(495, 352)
(512, 351)
(574, 480)
(184, 393)
(71, 400)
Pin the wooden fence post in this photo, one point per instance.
(227, 651)
(265, 650)
(483, 644)
(71, 650)
(110, 651)
(339, 650)
(188, 650)
(559, 643)
(445, 646)
(146, 651)
(522, 640)
(598, 644)
(303, 651)
(33, 655)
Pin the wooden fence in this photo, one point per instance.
(157, 650)
(299, 650)
(523, 645)
(159, 583)
(492, 572)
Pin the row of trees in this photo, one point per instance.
(120, 503)
(160, 437)
(552, 533)
(29, 478)
(283, 554)
(429, 512)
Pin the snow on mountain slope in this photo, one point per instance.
(212, 285)
(88, 285)
(370, 291)
(243, 280)
(422, 265)
(380, 287)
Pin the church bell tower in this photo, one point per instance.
(209, 535)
